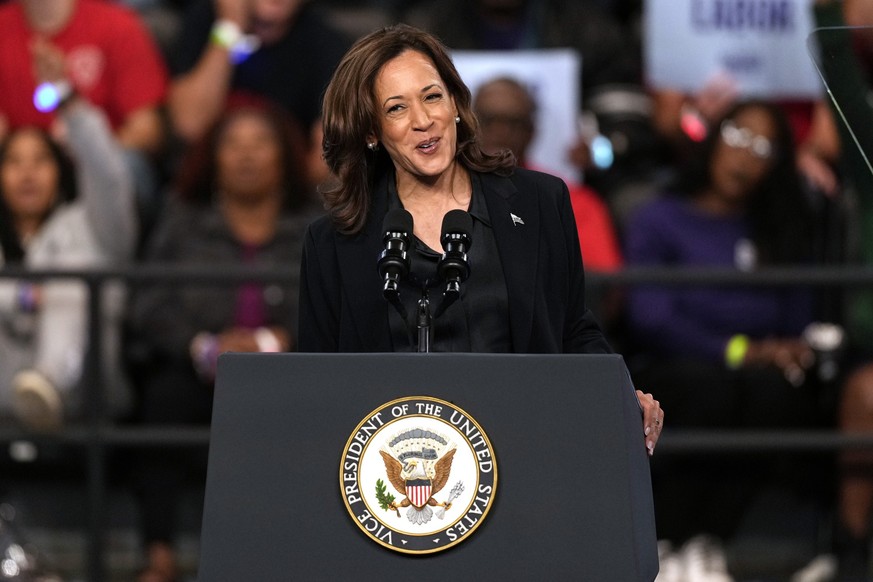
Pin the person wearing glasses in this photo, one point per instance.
(724, 357)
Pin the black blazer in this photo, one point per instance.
(341, 303)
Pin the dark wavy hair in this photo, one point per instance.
(778, 208)
(10, 242)
(350, 113)
(196, 176)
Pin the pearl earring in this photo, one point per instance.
(372, 145)
(458, 119)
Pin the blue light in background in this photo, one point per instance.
(601, 152)
(46, 97)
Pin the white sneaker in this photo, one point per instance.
(703, 560)
(670, 563)
(36, 402)
(822, 568)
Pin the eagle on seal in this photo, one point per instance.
(418, 463)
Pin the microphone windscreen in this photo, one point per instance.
(397, 220)
(457, 222)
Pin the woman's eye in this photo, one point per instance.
(434, 96)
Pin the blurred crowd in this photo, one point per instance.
(187, 133)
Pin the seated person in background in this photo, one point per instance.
(242, 203)
(684, 119)
(725, 357)
(506, 112)
(505, 109)
(295, 50)
(109, 59)
(58, 213)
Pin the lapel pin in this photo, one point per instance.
(516, 220)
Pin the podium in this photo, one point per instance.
(573, 500)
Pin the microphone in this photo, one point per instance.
(393, 264)
(453, 268)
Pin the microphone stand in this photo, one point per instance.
(423, 321)
(450, 295)
(424, 318)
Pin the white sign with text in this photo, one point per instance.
(759, 45)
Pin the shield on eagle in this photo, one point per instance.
(418, 491)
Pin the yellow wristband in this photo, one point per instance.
(225, 33)
(735, 351)
(228, 35)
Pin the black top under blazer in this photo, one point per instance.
(341, 304)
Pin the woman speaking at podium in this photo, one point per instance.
(400, 139)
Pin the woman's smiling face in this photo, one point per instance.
(416, 116)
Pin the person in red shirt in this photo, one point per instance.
(98, 50)
(110, 60)
(505, 109)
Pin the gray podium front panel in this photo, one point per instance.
(573, 499)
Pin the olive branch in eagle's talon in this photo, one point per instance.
(386, 500)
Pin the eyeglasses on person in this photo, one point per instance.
(742, 137)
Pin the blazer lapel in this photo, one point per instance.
(516, 223)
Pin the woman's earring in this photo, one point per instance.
(458, 119)
(372, 145)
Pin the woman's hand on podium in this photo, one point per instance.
(653, 419)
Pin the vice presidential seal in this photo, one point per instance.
(418, 475)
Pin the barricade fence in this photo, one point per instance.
(98, 436)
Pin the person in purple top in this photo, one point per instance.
(725, 356)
